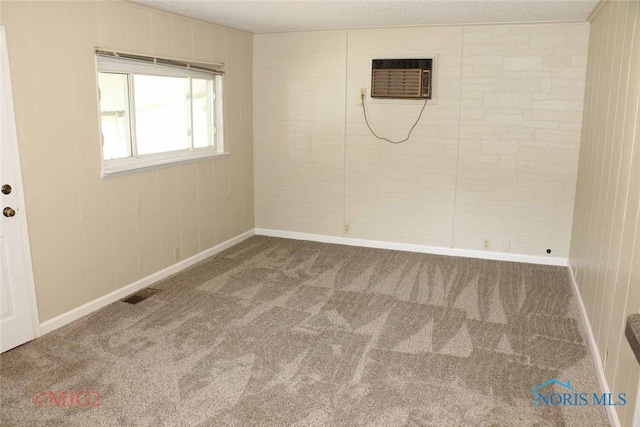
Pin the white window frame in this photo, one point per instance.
(136, 162)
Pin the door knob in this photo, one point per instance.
(8, 212)
(6, 189)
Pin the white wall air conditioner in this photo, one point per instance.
(401, 78)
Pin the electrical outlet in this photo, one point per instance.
(347, 229)
(363, 93)
(486, 244)
(176, 253)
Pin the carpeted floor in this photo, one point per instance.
(279, 332)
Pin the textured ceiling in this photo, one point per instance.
(301, 15)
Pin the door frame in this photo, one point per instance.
(12, 143)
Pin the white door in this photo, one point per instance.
(17, 297)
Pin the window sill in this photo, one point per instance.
(117, 167)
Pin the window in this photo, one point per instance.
(155, 113)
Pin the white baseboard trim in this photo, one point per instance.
(90, 307)
(409, 247)
(602, 379)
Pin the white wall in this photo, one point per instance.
(494, 158)
(299, 167)
(605, 245)
(520, 119)
(405, 192)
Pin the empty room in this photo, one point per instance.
(320, 213)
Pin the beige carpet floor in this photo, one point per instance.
(279, 332)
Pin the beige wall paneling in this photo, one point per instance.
(182, 38)
(162, 34)
(240, 110)
(91, 236)
(169, 213)
(188, 209)
(605, 255)
(139, 29)
(147, 218)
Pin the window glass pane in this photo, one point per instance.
(161, 113)
(202, 112)
(114, 115)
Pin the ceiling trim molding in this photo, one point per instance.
(274, 16)
(469, 24)
(596, 10)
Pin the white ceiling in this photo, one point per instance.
(267, 16)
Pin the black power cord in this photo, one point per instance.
(364, 111)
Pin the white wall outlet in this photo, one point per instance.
(347, 229)
(361, 95)
(486, 244)
(176, 253)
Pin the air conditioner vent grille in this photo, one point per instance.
(397, 83)
(401, 78)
